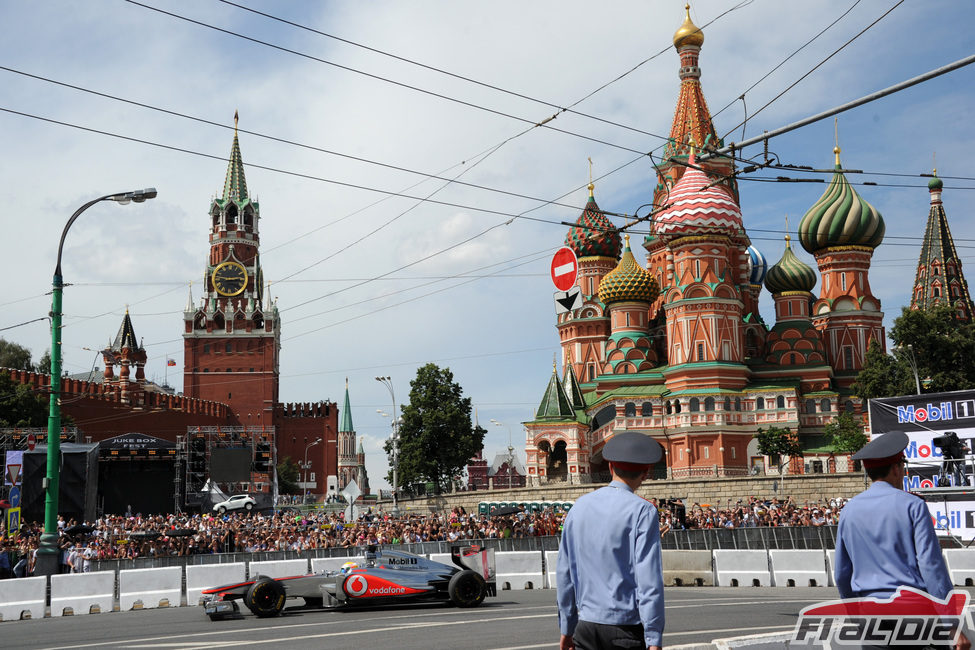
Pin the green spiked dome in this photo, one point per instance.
(628, 281)
(840, 218)
(790, 273)
(594, 235)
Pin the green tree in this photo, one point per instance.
(14, 356)
(436, 436)
(934, 340)
(20, 406)
(44, 364)
(846, 434)
(776, 442)
(287, 476)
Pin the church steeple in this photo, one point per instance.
(348, 462)
(939, 278)
(692, 125)
(235, 186)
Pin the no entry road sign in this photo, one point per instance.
(564, 268)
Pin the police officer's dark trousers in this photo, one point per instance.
(597, 636)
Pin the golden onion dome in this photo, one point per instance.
(628, 282)
(688, 33)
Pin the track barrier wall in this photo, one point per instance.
(742, 569)
(150, 588)
(199, 578)
(961, 565)
(830, 567)
(690, 568)
(82, 593)
(23, 598)
(278, 568)
(519, 570)
(798, 568)
(86, 593)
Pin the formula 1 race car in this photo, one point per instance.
(387, 576)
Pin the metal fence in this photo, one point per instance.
(785, 537)
(707, 539)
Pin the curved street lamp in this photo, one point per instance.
(47, 550)
(306, 466)
(397, 421)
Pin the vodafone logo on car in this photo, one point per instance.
(356, 585)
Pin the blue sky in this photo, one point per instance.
(496, 333)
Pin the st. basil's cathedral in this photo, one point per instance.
(677, 349)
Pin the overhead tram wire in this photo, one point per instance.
(783, 61)
(817, 66)
(561, 109)
(543, 123)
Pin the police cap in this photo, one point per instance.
(632, 448)
(885, 449)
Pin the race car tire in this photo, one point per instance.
(248, 507)
(467, 589)
(265, 598)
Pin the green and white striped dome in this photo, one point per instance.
(840, 218)
(790, 273)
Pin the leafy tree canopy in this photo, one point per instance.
(776, 442)
(934, 340)
(846, 434)
(288, 476)
(20, 406)
(14, 356)
(436, 436)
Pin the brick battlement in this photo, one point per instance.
(307, 409)
(77, 388)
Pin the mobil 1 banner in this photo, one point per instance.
(941, 427)
(952, 514)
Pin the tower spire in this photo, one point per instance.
(235, 185)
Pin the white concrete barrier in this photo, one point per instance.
(23, 598)
(207, 576)
(961, 565)
(519, 570)
(82, 593)
(798, 568)
(741, 568)
(442, 558)
(322, 564)
(831, 567)
(687, 568)
(277, 568)
(150, 588)
(551, 562)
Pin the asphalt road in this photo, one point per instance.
(513, 620)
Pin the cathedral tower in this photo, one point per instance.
(939, 279)
(348, 461)
(583, 332)
(841, 230)
(232, 339)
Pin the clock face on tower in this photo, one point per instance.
(229, 278)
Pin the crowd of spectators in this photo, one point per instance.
(750, 513)
(133, 536)
(130, 537)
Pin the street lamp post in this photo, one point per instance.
(306, 466)
(47, 551)
(908, 353)
(511, 449)
(388, 383)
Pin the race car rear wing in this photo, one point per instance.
(476, 558)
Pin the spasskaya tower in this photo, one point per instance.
(232, 338)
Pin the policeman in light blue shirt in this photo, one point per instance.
(885, 538)
(610, 582)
